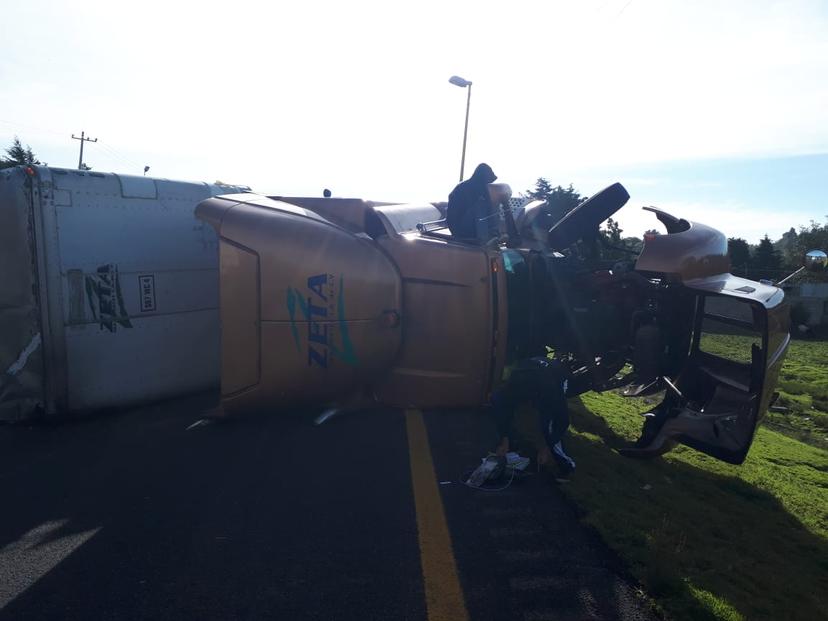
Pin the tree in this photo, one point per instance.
(739, 253)
(613, 232)
(766, 259)
(560, 200)
(617, 247)
(786, 247)
(542, 191)
(17, 155)
(636, 244)
(813, 237)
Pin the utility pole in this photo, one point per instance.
(82, 140)
(463, 83)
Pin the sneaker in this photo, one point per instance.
(485, 471)
(561, 457)
(516, 462)
(566, 465)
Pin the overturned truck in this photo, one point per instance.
(352, 303)
(108, 291)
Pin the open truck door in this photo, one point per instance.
(740, 338)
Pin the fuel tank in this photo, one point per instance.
(310, 312)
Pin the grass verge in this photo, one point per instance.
(707, 539)
(802, 409)
(803, 392)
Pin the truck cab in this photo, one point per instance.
(349, 301)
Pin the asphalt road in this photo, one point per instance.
(133, 516)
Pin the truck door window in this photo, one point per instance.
(728, 330)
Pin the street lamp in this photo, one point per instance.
(458, 81)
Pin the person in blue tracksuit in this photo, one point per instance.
(541, 382)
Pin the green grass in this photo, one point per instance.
(707, 539)
(802, 409)
(803, 389)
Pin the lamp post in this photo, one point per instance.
(458, 81)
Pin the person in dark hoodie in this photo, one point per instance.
(469, 202)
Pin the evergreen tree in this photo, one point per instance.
(17, 155)
(560, 200)
(739, 252)
(785, 246)
(542, 190)
(766, 259)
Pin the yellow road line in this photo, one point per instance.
(443, 594)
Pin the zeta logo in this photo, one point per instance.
(322, 305)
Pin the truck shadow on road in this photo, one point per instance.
(134, 517)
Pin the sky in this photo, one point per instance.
(714, 111)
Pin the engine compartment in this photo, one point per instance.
(600, 307)
(597, 318)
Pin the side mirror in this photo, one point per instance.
(815, 260)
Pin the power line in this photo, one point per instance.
(21, 129)
(629, 2)
(128, 162)
(33, 127)
(82, 139)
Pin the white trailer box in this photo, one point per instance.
(108, 291)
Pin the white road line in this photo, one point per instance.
(199, 423)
